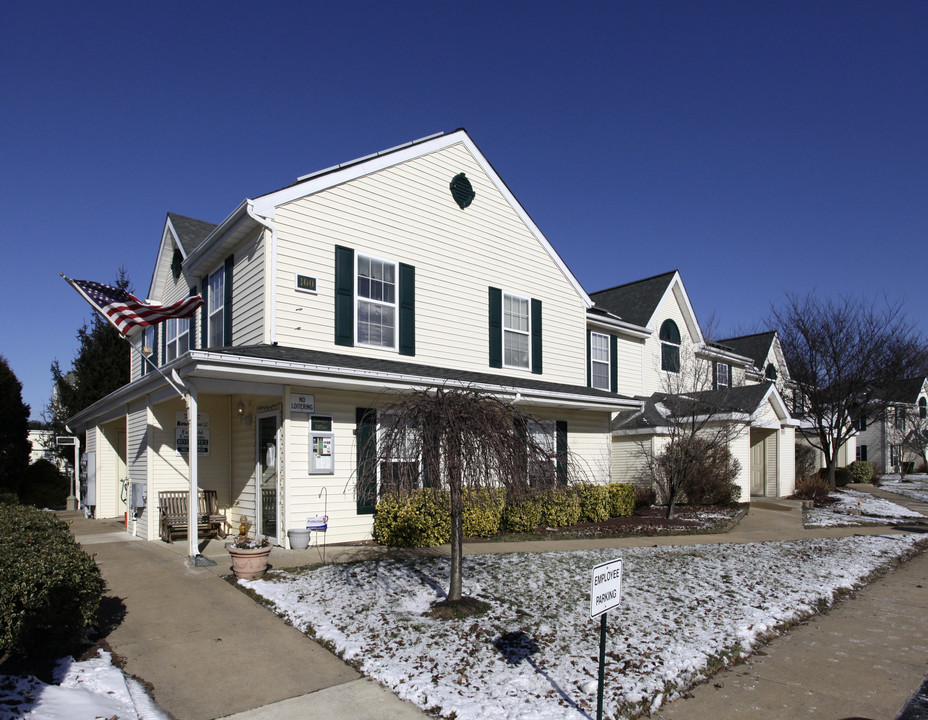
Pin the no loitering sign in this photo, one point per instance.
(605, 587)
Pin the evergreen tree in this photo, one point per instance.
(14, 430)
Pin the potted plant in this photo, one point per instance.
(249, 557)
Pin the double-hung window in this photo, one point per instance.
(148, 348)
(541, 472)
(399, 450)
(217, 309)
(176, 338)
(516, 331)
(599, 361)
(722, 378)
(376, 302)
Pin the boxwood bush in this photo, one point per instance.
(622, 499)
(560, 507)
(483, 511)
(594, 502)
(420, 518)
(522, 514)
(861, 471)
(50, 588)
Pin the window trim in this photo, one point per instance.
(220, 310)
(172, 341)
(356, 304)
(718, 375)
(922, 408)
(607, 340)
(668, 343)
(148, 339)
(526, 333)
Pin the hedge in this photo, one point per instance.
(621, 499)
(50, 588)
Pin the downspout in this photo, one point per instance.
(272, 300)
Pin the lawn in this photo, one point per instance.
(685, 611)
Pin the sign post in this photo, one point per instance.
(605, 594)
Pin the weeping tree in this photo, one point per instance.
(459, 440)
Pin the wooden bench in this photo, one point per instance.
(172, 505)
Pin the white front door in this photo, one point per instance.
(758, 465)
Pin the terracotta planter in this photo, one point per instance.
(249, 564)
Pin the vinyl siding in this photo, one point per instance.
(631, 353)
(787, 461)
(740, 448)
(406, 214)
(653, 378)
(137, 424)
(771, 464)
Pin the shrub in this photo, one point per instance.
(420, 518)
(812, 487)
(709, 474)
(559, 507)
(805, 460)
(861, 471)
(623, 498)
(594, 502)
(483, 511)
(522, 515)
(645, 496)
(44, 486)
(49, 587)
(843, 476)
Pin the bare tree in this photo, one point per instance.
(698, 417)
(916, 436)
(459, 440)
(840, 353)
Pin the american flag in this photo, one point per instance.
(126, 311)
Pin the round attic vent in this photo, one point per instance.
(462, 191)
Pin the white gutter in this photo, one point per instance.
(619, 326)
(271, 316)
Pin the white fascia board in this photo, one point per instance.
(168, 235)
(662, 430)
(620, 327)
(266, 205)
(221, 366)
(719, 354)
(221, 229)
(692, 323)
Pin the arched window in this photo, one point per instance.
(670, 346)
(922, 408)
(771, 372)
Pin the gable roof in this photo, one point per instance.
(190, 232)
(635, 302)
(264, 206)
(756, 346)
(743, 400)
(902, 391)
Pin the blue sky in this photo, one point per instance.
(760, 148)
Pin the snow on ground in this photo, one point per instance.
(914, 487)
(873, 511)
(82, 691)
(683, 611)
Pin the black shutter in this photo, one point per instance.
(613, 363)
(344, 296)
(204, 314)
(227, 304)
(366, 472)
(164, 348)
(496, 327)
(193, 323)
(715, 375)
(731, 377)
(589, 358)
(561, 448)
(536, 336)
(143, 366)
(154, 347)
(407, 310)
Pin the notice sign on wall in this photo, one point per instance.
(303, 403)
(605, 587)
(182, 434)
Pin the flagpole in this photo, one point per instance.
(147, 359)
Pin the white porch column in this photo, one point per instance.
(192, 501)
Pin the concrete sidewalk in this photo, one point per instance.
(209, 651)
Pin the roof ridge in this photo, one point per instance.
(635, 282)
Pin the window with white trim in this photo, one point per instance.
(599, 361)
(670, 346)
(404, 461)
(922, 408)
(376, 302)
(176, 338)
(544, 435)
(516, 331)
(217, 309)
(148, 348)
(722, 378)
